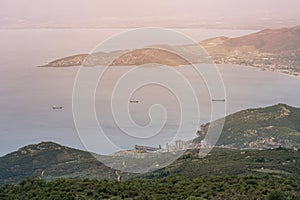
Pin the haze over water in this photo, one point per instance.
(28, 93)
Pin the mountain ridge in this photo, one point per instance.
(269, 49)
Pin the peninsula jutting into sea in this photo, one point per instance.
(273, 50)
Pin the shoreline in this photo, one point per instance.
(265, 68)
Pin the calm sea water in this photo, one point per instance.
(28, 93)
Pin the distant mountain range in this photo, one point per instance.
(275, 50)
(274, 129)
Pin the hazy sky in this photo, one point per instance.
(119, 13)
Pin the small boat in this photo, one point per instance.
(218, 100)
(133, 101)
(57, 107)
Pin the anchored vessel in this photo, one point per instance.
(218, 100)
(57, 107)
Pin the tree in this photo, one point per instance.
(277, 195)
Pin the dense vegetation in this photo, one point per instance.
(223, 174)
(172, 187)
(220, 162)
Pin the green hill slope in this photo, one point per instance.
(55, 161)
(261, 128)
(223, 162)
(48, 161)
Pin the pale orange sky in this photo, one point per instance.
(127, 13)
